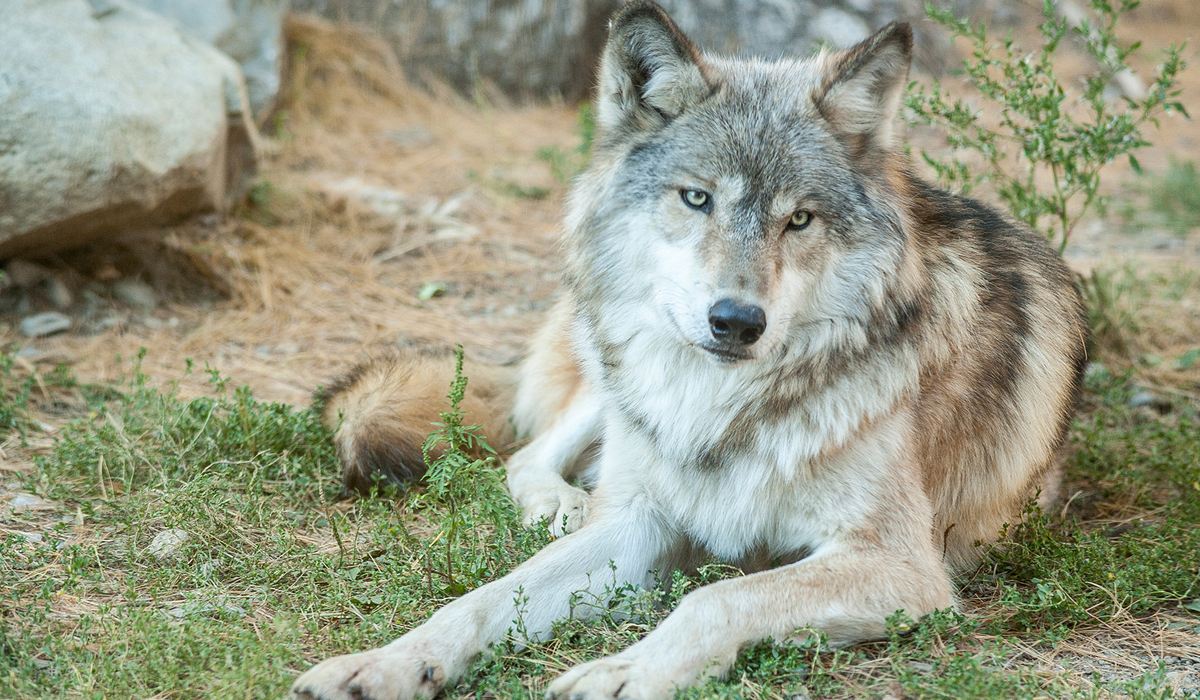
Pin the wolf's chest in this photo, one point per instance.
(746, 506)
(695, 414)
(740, 464)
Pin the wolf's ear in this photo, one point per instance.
(649, 73)
(863, 85)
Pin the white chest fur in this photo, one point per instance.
(792, 478)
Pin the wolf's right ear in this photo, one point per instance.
(649, 73)
(863, 86)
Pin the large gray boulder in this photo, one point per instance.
(111, 119)
(526, 48)
(539, 48)
(249, 31)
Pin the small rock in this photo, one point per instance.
(30, 353)
(341, 192)
(31, 537)
(191, 609)
(58, 292)
(156, 323)
(136, 293)
(25, 274)
(44, 324)
(27, 501)
(167, 543)
(210, 567)
(411, 137)
(1148, 399)
(1171, 243)
(108, 322)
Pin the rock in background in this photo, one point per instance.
(548, 48)
(111, 119)
(249, 31)
(526, 48)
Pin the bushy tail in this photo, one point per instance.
(382, 411)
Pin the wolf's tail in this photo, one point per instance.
(383, 409)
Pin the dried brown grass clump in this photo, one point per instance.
(1147, 321)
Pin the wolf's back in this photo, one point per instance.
(383, 409)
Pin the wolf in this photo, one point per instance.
(776, 346)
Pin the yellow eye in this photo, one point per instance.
(799, 220)
(696, 199)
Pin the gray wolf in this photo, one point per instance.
(781, 348)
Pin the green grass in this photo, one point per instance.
(1174, 196)
(278, 571)
(566, 164)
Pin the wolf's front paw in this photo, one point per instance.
(561, 505)
(613, 677)
(374, 675)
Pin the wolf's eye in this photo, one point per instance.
(696, 199)
(801, 219)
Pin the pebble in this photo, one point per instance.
(167, 543)
(26, 501)
(44, 324)
(1144, 398)
(410, 137)
(58, 293)
(23, 273)
(180, 612)
(136, 293)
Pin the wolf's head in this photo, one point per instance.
(736, 206)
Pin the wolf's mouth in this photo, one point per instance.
(724, 354)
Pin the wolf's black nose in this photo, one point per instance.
(737, 324)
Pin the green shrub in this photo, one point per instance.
(1045, 155)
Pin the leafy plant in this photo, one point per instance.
(1174, 196)
(465, 496)
(14, 395)
(1041, 147)
(1105, 294)
(566, 164)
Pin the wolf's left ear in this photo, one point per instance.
(863, 86)
(649, 73)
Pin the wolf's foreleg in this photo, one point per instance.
(556, 407)
(537, 472)
(845, 591)
(614, 549)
